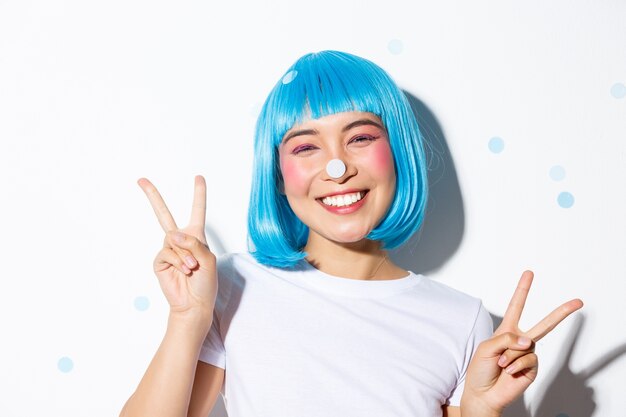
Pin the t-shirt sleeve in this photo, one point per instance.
(212, 351)
(482, 330)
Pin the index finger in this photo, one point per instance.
(158, 205)
(546, 325)
(518, 300)
(198, 209)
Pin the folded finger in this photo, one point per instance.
(166, 258)
(158, 205)
(183, 253)
(511, 355)
(546, 325)
(498, 344)
(193, 246)
(525, 363)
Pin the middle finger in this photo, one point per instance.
(198, 209)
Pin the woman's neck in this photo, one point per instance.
(363, 260)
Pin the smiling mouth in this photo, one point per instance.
(344, 199)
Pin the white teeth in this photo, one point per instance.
(343, 200)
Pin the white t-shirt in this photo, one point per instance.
(302, 343)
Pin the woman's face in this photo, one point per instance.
(325, 204)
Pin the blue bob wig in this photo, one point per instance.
(317, 85)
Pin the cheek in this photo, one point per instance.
(295, 175)
(380, 160)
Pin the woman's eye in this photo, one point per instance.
(302, 149)
(363, 139)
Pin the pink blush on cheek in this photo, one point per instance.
(380, 159)
(294, 175)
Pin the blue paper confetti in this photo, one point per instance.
(141, 303)
(618, 90)
(557, 173)
(565, 199)
(496, 145)
(65, 364)
(395, 46)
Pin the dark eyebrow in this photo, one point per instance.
(361, 122)
(351, 125)
(299, 133)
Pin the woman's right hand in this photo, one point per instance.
(185, 266)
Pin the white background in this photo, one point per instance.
(94, 95)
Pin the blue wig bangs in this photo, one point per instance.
(321, 84)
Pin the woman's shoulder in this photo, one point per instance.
(461, 311)
(233, 270)
(444, 294)
(233, 261)
(435, 284)
(238, 266)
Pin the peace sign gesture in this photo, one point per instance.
(505, 365)
(185, 266)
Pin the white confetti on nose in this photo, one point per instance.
(335, 168)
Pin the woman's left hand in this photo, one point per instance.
(505, 365)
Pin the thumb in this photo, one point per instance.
(198, 249)
(495, 346)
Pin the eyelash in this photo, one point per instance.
(367, 138)
(302, 148)
(360, 138)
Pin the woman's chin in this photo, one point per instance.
(346, 237)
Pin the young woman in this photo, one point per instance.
(317, 320)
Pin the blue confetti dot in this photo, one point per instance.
(618, 90)
(255, 110)
(65, 364)
(496, 145)
(142, 303)
(562, 415)
(557, 173)
(290, 76)
(395, 46)
(565, 199)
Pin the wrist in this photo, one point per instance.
(190, 323)
(474, 407)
